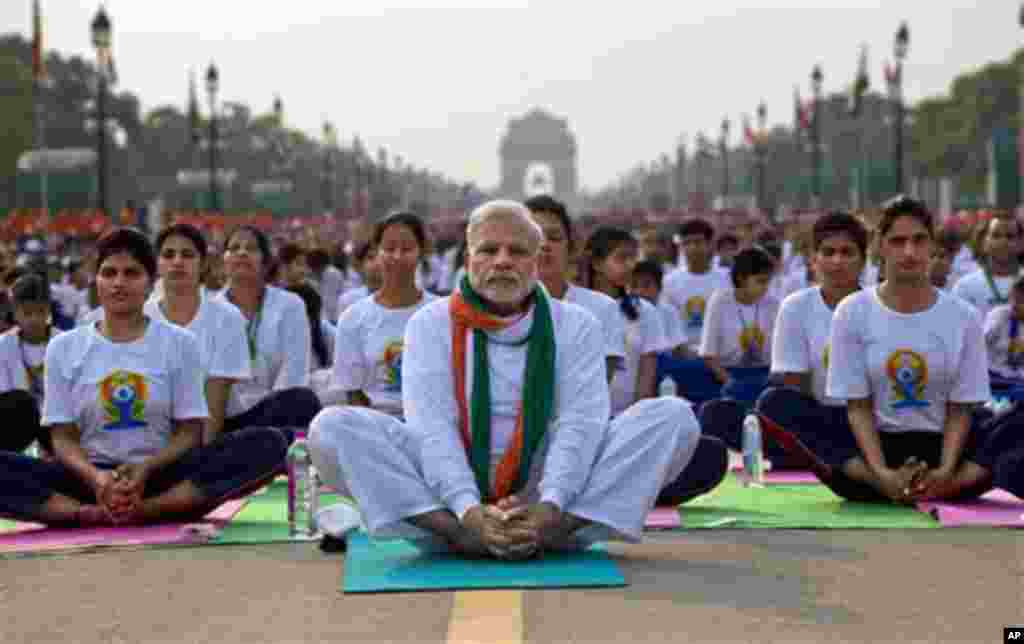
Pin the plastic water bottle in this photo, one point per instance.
(667, 387)
(753, 452)
(303, 491)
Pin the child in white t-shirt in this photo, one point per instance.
(1004, 338)
(646, 284)
(370, 336)
(989, 286)
(688, 290)
(22, 352)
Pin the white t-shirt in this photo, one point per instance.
(219, 328)
(671, 325)
(975, 290)
(124, 396)
(350, 297)
(911, 365)
(739, 334)
(643, 336)
(795, 281)
(368, 344)
(283, 349)
(689, 294)
(1005, 354)
(70, 299)
(22, 364)
(330, 285)
(608, 314)
(800, 342)
(963, 264)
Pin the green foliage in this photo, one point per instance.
(15, 111)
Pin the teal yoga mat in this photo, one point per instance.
(374, 566)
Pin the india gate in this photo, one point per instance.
(538, 156)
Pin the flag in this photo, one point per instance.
(194, 126)
(38, 66)
(748, 132)
(860, 84)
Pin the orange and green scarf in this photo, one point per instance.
(513, 471)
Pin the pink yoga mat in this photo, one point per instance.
(32, 537)
(784, 477)
(665, 518)
(996, 508)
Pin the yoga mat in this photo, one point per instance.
(374, 566)
(731, 505)
(996, 508)
(31, 537)
(265, 518)
(663, 518)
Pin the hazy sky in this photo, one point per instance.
(436, 81)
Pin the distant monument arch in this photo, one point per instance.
(538, 156)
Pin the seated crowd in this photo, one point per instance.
(503, 399)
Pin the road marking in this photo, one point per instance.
(486, 616)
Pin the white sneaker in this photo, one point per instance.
(338, 520)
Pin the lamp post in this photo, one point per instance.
(724, 148)
(101, 30)
(816, 81)
(900, 45)
(759, 150)
(212, 85)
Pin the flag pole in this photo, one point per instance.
(38, 81)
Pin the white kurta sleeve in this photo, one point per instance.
(848, 377)
(431, 411)
(582, 409)
(295, 338)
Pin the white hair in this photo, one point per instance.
(503, 210)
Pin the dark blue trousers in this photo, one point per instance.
(285, 410)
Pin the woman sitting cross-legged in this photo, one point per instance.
(800, 349)
(278, 331)
(125, 407)
(909, 360)
(1004, 337)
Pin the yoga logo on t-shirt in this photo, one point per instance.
(693, 313)
(824, 356)
(752, 344)
(122, 397)
(908, 374)
(1015, 352)
(391, 366)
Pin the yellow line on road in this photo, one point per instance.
(486, 616)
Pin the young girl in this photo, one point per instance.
(909, 360)
(646, 284)
(1004, 338)
(278, 333)
(370, 334)
(740, 321)
(22, 351)
(989, 286)
(219, 327)
(610, 256)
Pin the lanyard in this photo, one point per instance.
(252, 328)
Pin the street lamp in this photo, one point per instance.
(816, 81)
(724, 146)
(101, 31)
(759, 150)
(212, 85)
(900, 45)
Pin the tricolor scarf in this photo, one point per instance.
(513, 471)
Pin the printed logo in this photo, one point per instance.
(391, 366)
(751, 343)
(908, 376)
(693, 313)
(122, 397)
(1015, 353)
(825, 354)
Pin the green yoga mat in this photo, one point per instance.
(373, 566)
(265, 518)
(731, 505)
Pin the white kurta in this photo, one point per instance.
(610, 474)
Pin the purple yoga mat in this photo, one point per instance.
(32, 537)
(996, 508)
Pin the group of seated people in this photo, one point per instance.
(521, 413)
